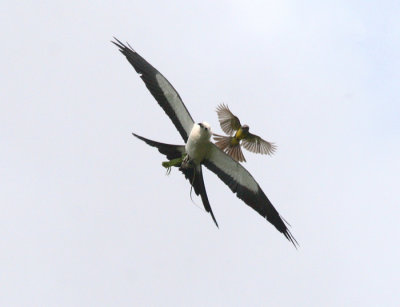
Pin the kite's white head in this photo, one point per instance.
(198, 142)
(204, 130)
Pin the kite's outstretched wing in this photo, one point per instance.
(228, 121)
(256, 144)
(194, 175)
(165, 94)
(239, 180)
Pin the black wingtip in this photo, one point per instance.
(143, 139)
(288, 235)
(118, 43)
(292, 239)
(122, 47)
(138, 136)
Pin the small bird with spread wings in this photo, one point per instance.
(238, 134)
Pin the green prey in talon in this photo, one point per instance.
(174, 162)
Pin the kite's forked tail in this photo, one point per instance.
(230, 145)
(177, 157)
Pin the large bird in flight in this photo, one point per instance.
(198, 149)
(239, 134)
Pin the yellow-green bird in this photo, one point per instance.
(239, 134)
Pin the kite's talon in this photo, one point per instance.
(186, 163)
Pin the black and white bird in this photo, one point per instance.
(198, 149)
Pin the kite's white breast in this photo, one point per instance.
(198, 143)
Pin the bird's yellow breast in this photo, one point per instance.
(240, 134)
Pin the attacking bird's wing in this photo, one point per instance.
(165, 94)
(256, 144)
(239, 180)
(194, 175)
(225, 143)
(229, 122)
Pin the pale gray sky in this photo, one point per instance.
(88, 217)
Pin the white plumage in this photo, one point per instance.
(198, 143)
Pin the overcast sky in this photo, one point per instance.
(88, 216)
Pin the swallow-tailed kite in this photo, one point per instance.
(198, 149)
(238, 134)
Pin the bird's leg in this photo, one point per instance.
(174, 162)
(187, 163)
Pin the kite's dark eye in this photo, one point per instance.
(201, 125)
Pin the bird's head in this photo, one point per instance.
(205, 129)
(245, 128)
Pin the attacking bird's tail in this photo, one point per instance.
(225, 143)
